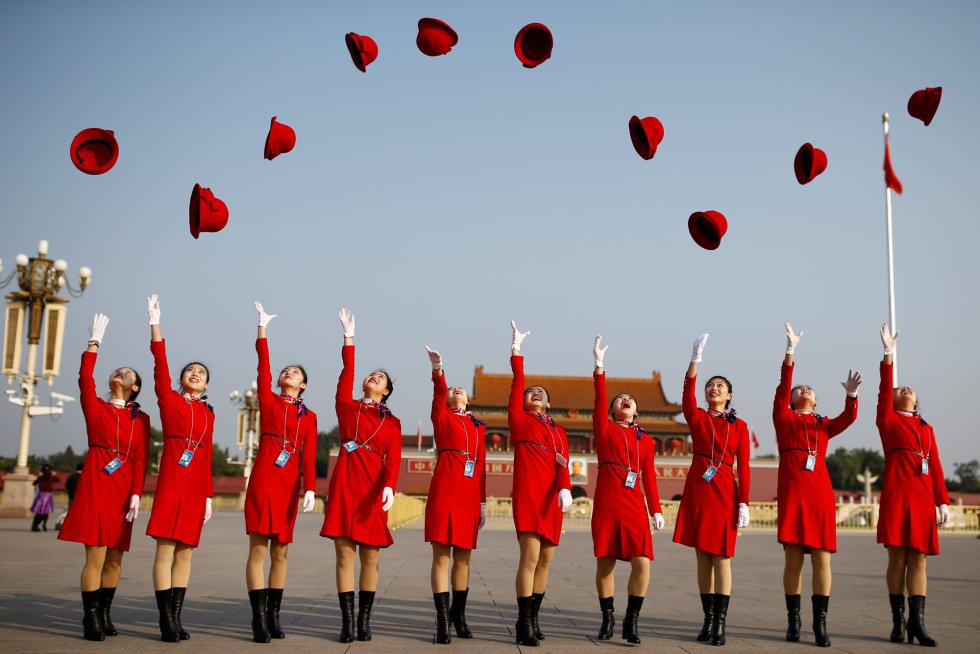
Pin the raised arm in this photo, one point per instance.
(780, 404)
(345, 385)
(849, 414)
(264, 380)
(599, 382)
(515, 404)
(86, 383)
(439, 387)
(886, 384)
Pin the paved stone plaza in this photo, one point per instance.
(40, 607)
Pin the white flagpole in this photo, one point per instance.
(891, 262)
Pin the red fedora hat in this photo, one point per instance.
(363, 50)
(707, 228)
(94, 151)
(924, 103)
(435, 37)
(809, 163)
(646, 134)
(208, 213)
(533, 44)
(281, 139)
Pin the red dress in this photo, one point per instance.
(805, 499)
(353, 507)
(907, 517)
(538, 474)
(188, 426)
(620, 527)
(271, 501)
(97, 516)
(452, 513)
(707, 519)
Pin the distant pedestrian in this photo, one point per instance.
(72, 483)
(43, 503)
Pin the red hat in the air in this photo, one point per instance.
(435, 37)
(707, 228)
(281, 139)
(94, 151)
(207, 213)
(809, 163)
(533, 44)
(646, 134)
(363, 50)
(924, 103)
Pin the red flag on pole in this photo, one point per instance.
(755, 439)
(891, 179)
(420, 435)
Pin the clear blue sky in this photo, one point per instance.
(440, 197)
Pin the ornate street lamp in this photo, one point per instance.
(248, 421)
(37, 306)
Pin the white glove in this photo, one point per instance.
(97, 330)
(889, 340)
(852, 383)
(517, 336)
(658, 521)
(134, 508)
(309, 499)
(598, 353)
(347, 320)
(792, 339)
(264, 318)
(387, 498)
(153, 309)
(564, 499)
(434, 358)
(483, 515)
(943, 515)
(698, 348)
(207, 511)
(743, 515)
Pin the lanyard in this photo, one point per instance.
(922, 453)
(357, 421)
(806, 435)
(190, 432)
(546, 419)
(129, 445)
(724, 449)
(629, 459)
(285, 436)
(466, 433)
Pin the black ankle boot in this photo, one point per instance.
(916, 626)
(631, 621)
(90, 616)
(168, 626)
(707, 605)
(536, 599)
(35, 526)
(820, 603)
(178, 602)
(608, 618)
(524, 631)
(720, 608)
(898, 618)
(258, 599)
(365, 600)
(105, 602)
(442, 618)
(457, 614)
(272, 613)
(346, 616)
(793, 621)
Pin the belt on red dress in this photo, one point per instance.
(546, 449)
(277, 436)
(794, 449)
(463, 452)
(614, 463)
(184, 438)
(362, 447)
(111, 449)
(719, 461)
(901, 449)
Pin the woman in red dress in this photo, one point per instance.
(912, 486)
(620, 528)
(362, 486)
(542, 490)
(182, 502)
(714, 505)
(807, 521)
(457, 508)
(107, 498)
(287, 451)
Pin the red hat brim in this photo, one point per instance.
(707, 228)
(646, 135)
(809, 163)
(435, 37)
(924, 103)
(207, 213)
(280, 139)
(363, 50)
(94, 151)
(533, 44)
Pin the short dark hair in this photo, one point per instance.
(727, 383)
(195, 363)
(302, 370)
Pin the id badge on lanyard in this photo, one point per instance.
(811, 462)
(562, 461)
(925, 466)
(282, 459)
(709, 474)
(350, 446)
(630, 479)
(113, 465)
(468, 468)
(185, 458)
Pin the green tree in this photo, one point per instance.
(969, 477)
(221, 467)
(325, 441)
(845, 465)
(66, 461)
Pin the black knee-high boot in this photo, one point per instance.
(365, 602)
(457, 613)
(632, 620)
(721, 614)
(915, 628)
(608, 618)
(536, 599)
(105, 603)
(168, 626)
(442, 618)
(708, 606)
(258, 599)
(272, 613)
(178, 603)
(793, 620)
(523, 630)
(90, 616)
(346, 616)
(820, 605)
(898, 617)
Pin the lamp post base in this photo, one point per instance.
(18, 494)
